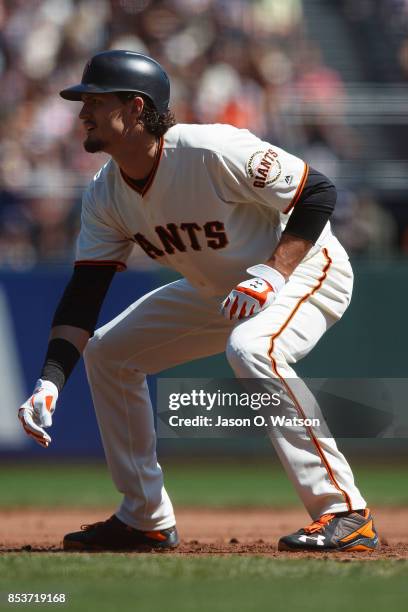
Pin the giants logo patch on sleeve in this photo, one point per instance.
(264, 168)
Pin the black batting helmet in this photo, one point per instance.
(119, 70)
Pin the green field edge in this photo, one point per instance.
(211, 485)
(216, 583)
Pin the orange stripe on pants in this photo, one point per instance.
(289, 390)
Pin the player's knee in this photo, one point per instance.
(281, 353)
(105, 352)
(92, 350)
(240, 350)
(246, 352)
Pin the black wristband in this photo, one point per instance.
(60, 360)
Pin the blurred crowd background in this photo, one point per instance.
(324, 79)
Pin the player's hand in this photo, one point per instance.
(255, 294)
(37, 411)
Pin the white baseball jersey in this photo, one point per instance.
(216, 204)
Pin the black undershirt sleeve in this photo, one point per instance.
(314, 207)
(83, 296)
(79, 307)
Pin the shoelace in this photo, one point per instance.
(91, 526)
(319, 524)
(94, 525)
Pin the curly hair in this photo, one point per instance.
(155, 123)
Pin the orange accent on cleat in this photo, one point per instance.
(155, 535)
(358, 548)
(366, 531)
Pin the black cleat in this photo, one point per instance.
(112, 534)
(350, 531)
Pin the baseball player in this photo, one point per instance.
(246, 224)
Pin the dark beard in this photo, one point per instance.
(93, 145)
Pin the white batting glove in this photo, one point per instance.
(255, 294)
(37, 411)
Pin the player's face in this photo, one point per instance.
(105, 121)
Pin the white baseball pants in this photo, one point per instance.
(176, 324)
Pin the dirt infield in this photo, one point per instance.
(203, 531)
